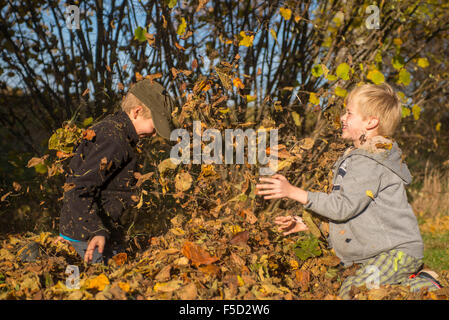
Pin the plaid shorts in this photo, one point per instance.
(392, 267)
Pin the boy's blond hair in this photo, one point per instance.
(130, 102)
(380, 101)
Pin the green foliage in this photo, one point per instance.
(307, 248)
(139, 34)
(65, 139)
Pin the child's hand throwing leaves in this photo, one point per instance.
(289, 224)
(278, 187)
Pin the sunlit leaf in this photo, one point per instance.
(375, 76)
(404, 77)
(423, 62)
(182, 27)
(246, 40)
(317, 70)
(341, 92)
(313, 99)
(286, 13)
(343, 71)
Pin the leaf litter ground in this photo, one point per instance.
(196, 259)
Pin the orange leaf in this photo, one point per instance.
(238, 83)
(138, 76)
(88, 134)
(197, 254)
(120, 258)
(99, 282)
(154, 76)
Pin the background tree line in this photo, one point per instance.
(289, 61)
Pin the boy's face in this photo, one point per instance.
(144, 126)
(353, 124)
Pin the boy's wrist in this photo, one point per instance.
(298, 194)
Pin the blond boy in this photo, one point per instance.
(371, 222)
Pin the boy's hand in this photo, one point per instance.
(97, 241)
(290, 224)
(277, 187)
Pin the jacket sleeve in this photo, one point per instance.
(94, 163)
(358, 188)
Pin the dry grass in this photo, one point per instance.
(432, 200)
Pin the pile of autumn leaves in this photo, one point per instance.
(197, 259)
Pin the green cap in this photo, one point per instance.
(156, 98)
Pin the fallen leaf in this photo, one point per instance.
(167, 286)
(98, 283)
(188, 292)
(240, 238)
(196, 254)
(120, 258)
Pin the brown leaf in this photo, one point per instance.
(141, 178)
(120, 86)
(104, 165)
(237, 260)
(194, 64)
(85, 92)
(330, 261)
(188, 292)
(196, 254)
(303, 278)
(68, 186)
(35, 161)
(250, 217)
(164, 274)
(241, 237)
(120, 258)
(88, 134)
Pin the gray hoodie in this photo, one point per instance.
(368, 208)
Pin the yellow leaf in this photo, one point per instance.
(99, 282)
(313, 99)
(246, 41)
(250, 98)
(416, 110)
(296, 118)
(286, 13)
(273, 34)
(124, 286)
(369, 193)
(240, 281)
(397, 42)
(438, 126)
(294, 264)
(167, 286)
(182, 27)
(423, 62)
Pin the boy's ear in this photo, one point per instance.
(135, 112)
(373, 123)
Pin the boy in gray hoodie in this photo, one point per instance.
(371, 222)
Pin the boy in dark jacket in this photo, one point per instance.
(102, 180)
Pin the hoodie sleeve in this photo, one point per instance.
(358, 188)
